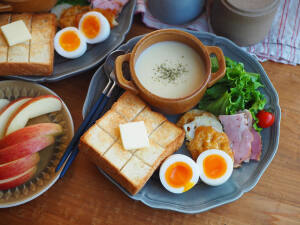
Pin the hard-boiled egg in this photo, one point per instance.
(215, 167)
(179, 173)
(94, 26)
(70, 43)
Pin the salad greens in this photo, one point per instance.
(236, 91)
(73, 2)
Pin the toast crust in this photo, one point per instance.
(136, 177)
(4, 19)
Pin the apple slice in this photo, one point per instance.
(17, 180)
(3, 102)
(26, 133)
(8, 110)
(19, 166)
(20, 150)
(35, 107)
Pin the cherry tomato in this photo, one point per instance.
(266, 119)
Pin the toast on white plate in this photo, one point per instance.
(32, 57)
(130, 168)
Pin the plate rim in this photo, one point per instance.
(50, 79)
(56, 177)
(246, 186)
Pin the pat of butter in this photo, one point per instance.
(16, 32)
(134, 135)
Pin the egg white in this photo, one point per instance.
(70, 54)
(104, 27)
(222, 179)
(173, 159)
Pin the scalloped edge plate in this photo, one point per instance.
(202, 197)
(64, 68)
(45, 176)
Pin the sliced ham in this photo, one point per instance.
(238, 129)
(256, 145)
(249, 117)
(114, 5)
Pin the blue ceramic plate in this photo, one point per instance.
(203, 197)
(64, 68)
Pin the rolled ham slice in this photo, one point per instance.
(256, 145)
(238, 129)
(114, 5)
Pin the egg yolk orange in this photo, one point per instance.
(69, 41)
(179, 174)
(214, 166)
(91, 26)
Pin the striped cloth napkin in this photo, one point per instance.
(282, 44)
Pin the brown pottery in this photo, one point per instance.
(170, 105)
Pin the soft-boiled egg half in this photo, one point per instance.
(70, 43)
(94, 26)
(215, 167)
(179, 173)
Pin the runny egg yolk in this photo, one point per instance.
(179, 175)
(91, 26)
(214, 166)
(69, 41)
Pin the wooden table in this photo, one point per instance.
(86, 197)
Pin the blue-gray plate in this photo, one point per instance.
(64, 68)
(203, 197)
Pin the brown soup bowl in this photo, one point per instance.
(170, 105)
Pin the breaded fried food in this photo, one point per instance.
(208, 138)
(71, 16)
(196, 118)
(68, 17)
(190, 116)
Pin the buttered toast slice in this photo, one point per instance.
(103, 146)
(33, 57)
(20, 53)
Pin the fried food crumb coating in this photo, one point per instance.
(190, 116)
(67, 18)
(208, 138)
(71, 16)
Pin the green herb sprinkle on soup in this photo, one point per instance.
(170, 69)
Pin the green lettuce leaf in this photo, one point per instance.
(236, 91)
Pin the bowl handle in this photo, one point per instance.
(222, 65)
(123, 82)
(5, 8)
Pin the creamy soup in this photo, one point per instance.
(170, 69)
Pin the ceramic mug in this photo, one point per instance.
(175, 11)
(170, 105)
(26, 5)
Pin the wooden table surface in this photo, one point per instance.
(86, 197)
